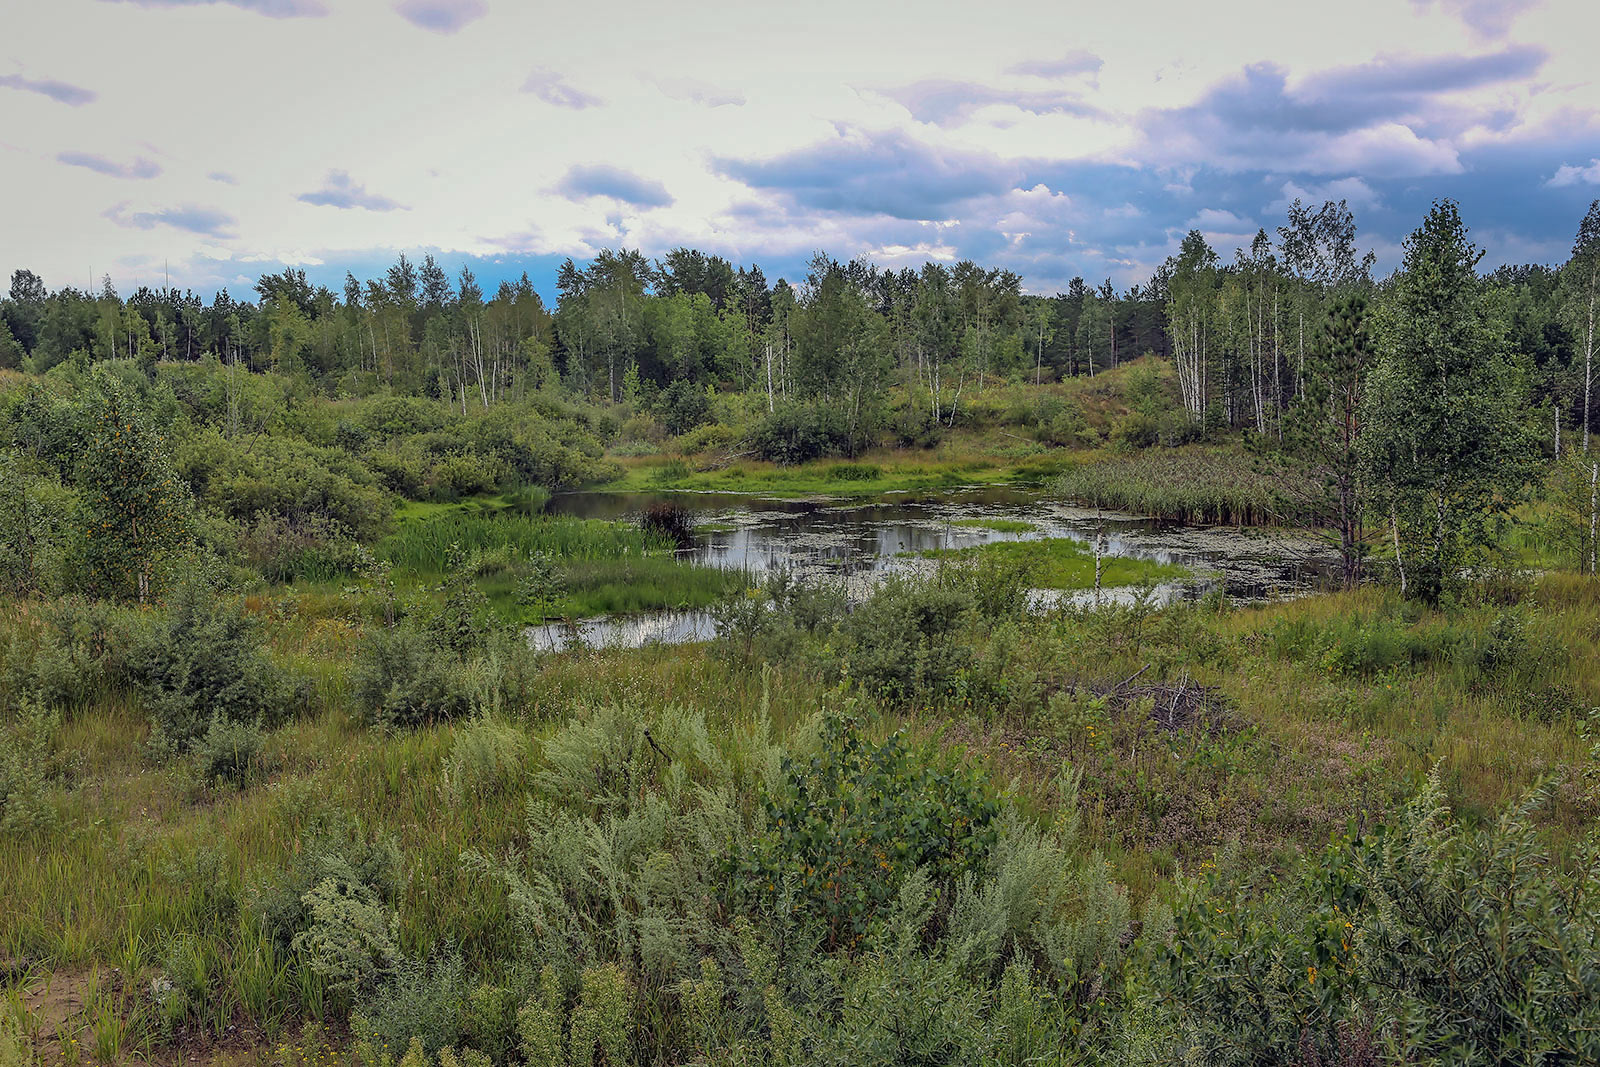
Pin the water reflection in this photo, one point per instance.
(857, 542)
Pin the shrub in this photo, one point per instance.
(795, 433)
(332, 852)
(82, 652)
(422, 1000)
(917, 428)
(205, 661)
(683, 405)
(229, 752)
(707, 437)
(487, 759)
(350, 935)
(847, 827)
(25, 766)
(901, 638)
(404, 678)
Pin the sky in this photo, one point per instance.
(207, 142)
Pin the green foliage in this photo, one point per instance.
(851, 823)
(230, 751)
(900, 639)
(349, 939)
(204, 660)
(601, 1021)
(487, 760)
(1450, 945)
(1446, 443)
(796, 433)
(541, 1022)
(421, 1000)
(334, 859)
(136, 518)
(36, 514)
(26, 764)
(404, 677)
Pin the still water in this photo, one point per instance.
(857, 542)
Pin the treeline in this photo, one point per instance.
(625, 327)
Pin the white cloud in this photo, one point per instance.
(1567, 174)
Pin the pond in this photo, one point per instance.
(857, 542)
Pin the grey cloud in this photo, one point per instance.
(223, 176)
(441, 16)
(272, 9)
(139, 168)
(884, 174)
(1490, 18)
(602, 180)
(550, 87)
(208, 222)
(338, 190)
(940, 101)
(1078, 61)
(61, 92)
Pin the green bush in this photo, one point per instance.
(25, 770)
(205, 660)
(488, 759)
(404, 678)
(1439, 943)
(230, 752)
(849, 825)
(901, 639)
(333, 851)
(422, 1000)
(796, 433)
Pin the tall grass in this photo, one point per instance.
(1191, 485)
(420, 548)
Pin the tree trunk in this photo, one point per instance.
(1400, 564)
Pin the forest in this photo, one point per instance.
(287, 778)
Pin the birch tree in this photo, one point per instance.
(1445, 443)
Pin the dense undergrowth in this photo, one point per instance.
(937, 827)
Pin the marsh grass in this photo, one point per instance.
(1190, 485)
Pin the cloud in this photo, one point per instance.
(61, 92)
(139, 168)
(1398, 81)
(208, 222)
(1220, 221)
(942, 102)
(441, 16)
(1490, 18)
(1353, 190)
(272, 9)
(338, 190)
(1361, 119)
(602, 180)
(881, 174)
(700, 92)
(1567, 174)
(223, 176)
(1078, 61)
(550, 87)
